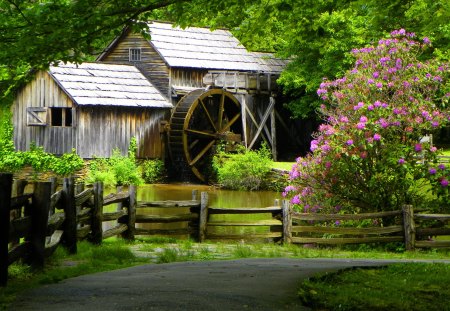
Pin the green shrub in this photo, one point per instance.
(153, 171)
(67, 164)
(244, 170)
(118, 170)
(369, 155)
(9, 159)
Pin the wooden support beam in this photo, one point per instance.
(263, 121)
(273, 130)
(5, 205)
(244, 119)
(266, 129)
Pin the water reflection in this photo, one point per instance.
(216, 198)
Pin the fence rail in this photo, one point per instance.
(46, 218)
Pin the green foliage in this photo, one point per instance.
(67, 164)
(406, 286)
(316, 35)
(153, 171)
(10, 161)
(244, 170)
(367, 156)
(117, 170)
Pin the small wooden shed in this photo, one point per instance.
(92, 107)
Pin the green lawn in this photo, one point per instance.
(287, 166)
(406, 286)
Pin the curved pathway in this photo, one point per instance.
(246, 284)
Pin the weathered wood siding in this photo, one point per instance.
(151, 65)
(187, 77)
(101, 129)
(42, 92)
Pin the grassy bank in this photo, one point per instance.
(116, 254)
(407, 286)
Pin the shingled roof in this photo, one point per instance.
(107, 84)
(195, 47)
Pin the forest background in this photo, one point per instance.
(317, 35)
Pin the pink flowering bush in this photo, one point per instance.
(368, 154)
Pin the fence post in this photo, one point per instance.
(54, 184)
(203, 216)
(39, 222)
(119, 206)
(18, 188)
(194, 194)
(287, 221)
(70, 211)
(409, 227)
(5, 207)
(97, 214)
(131, 219)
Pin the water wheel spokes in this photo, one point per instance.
(199, 120)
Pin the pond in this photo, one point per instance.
(216, 198)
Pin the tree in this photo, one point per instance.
(316, 34)
(368, 154)
(34, 34)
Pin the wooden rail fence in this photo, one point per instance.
(32, 225)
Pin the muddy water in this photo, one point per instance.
(216, 198)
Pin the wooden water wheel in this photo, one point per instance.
(201, 119)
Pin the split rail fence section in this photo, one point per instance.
(32, 225)
(416, 230)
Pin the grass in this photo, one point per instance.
(287, 166)
(116, 253)
(406, 286)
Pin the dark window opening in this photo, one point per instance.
(61, 116)
(57, 116)
(68, 119)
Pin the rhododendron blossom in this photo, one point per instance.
(368, 153)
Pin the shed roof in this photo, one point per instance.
(107, 84)
(196, 47)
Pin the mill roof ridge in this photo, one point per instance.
(219, 49)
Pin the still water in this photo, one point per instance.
(216, 198)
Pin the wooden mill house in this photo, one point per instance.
(134, 84)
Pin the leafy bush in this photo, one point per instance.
(117, 170)
(10, 160)
(41, 161)
(368, 154)
(244, 170)
(153, 171)
(67, 164)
